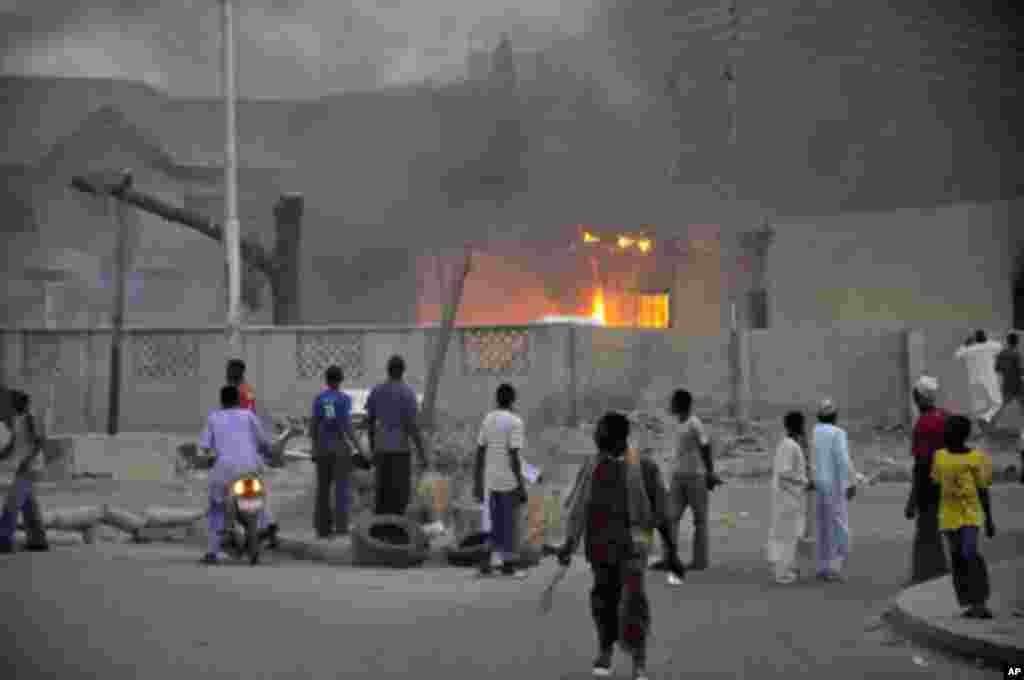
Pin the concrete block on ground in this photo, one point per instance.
(54, 537)
(72, 519)
(161, 535)
(128, 456)
(169, 518)
(107, 534)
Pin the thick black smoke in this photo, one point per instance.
(287, 48)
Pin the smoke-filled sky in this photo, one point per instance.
(287, 48)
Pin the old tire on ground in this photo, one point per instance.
(388, 541)
(469, 551)
(527, 557)
(472, 549)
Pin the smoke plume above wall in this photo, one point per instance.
(287, 48)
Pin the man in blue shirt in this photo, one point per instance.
(835, 482)
(391, 423)
(333, 441)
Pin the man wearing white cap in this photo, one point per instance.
(835, 485)
(928, 560)
(980, 358)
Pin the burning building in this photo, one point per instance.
(606, 238)
(610, 275)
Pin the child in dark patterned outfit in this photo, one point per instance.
(613, 506)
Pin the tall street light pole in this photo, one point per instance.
(738, 341)
(232, 236)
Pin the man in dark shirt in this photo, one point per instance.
(391, 422)
(928, 560)
(334, 440)
(1011, 369)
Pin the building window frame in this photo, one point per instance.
(664, 293)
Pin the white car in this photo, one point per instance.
(359, 398)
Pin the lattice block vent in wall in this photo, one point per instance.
(501, 351)
(165, 355)
(42, 355)
(314, 352)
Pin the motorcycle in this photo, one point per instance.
(245, 503)
(246, 499)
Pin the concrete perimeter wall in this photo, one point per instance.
(563, 373)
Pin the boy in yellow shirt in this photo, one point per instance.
(964, 476)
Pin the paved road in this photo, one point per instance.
(128, 612)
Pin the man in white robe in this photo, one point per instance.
(789, 505)
(982, 379)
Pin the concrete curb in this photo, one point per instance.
(920, 630)
(929, 630)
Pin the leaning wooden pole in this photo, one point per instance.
(253, 253)
(449, 313)
(280, 267)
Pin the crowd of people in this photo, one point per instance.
(619, 498)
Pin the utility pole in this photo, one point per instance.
(116, 208)
(232, 229)
(737, 344)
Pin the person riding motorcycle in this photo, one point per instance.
(241, 447)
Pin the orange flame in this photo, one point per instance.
(590, 238)
(598, 313)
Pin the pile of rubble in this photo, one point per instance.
(109, 524)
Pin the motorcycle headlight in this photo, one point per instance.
(247, 487)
